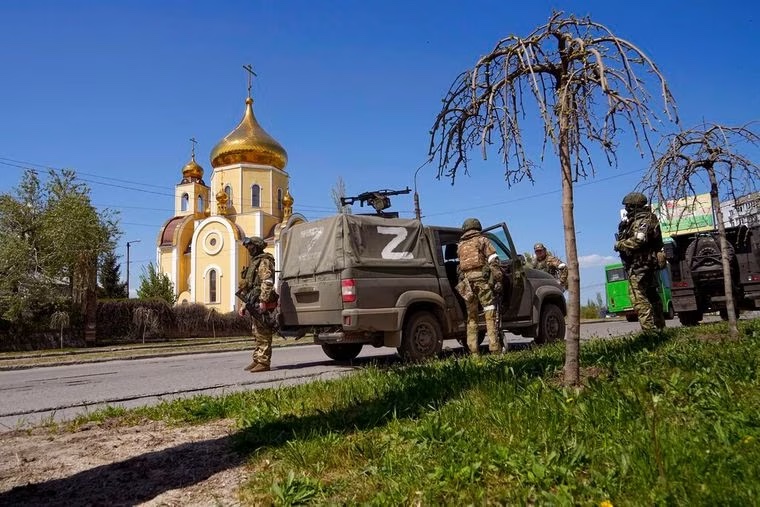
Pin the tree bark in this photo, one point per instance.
(728, 283)
(573, 322)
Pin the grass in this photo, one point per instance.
(661, 419)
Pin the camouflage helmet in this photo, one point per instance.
(471, 223)
(255, 241)
(539, 246)
(635, 199)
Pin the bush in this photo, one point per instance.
(115, 319)
(195, 320)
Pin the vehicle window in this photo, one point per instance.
(501, 250)
(616, 275)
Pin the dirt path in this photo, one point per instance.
(150, 464)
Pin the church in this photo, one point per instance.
(200, 248)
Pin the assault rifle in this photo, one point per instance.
(378, 199)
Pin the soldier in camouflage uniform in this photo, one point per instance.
(549, 263)
(639, 240)
(480, 277)
(257, 288)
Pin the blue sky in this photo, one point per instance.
(349, 88)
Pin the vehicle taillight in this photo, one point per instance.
(348, 290)
(680, 284)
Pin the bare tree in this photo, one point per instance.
(337, 192)
(587, 84)
(711, 150)
(212, 317)
(145, 318)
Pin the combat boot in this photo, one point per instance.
(259, 368)
(250, 366)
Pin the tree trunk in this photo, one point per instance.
(573, 322)
(728, 283)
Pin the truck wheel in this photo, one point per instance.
(670, 313)
(551, 324)
(689, 318)
(342, 351)
(422, 338)
(724, 313)
(631, 317)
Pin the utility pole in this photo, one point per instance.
(129, 243)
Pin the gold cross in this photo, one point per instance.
(192, 140)
(248, 68)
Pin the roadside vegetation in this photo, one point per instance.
(660, 419)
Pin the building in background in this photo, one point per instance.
(744, 210)
(200, 247)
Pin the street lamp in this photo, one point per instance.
(417, 211)
(129, 243)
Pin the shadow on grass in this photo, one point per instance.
(423, 386)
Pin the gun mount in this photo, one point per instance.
(378, 199)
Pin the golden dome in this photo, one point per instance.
(287, 199)
(249, 143)
(192, 171)
(221, 202)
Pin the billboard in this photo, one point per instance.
(689, 214)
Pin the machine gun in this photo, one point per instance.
(378, 199)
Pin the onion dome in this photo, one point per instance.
(192, 171)
(249, 143)
(221, 202)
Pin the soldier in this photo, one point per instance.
(639, 241)
(480, 275)
(550, 264)
(257, 291)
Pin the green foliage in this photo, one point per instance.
(593, 309)
(49, 232)
(156, 285)
(664, 419)
(109, 276)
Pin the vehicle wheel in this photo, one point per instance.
(724, 313)
(689, 318)
(631, 317)
(551, 324)
(422, 338)
(670, 313)
(342, 351)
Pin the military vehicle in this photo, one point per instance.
(354, 280)
(697, 271)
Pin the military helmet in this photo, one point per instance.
(255, 241)
(636, 199)
(471, 223)
(539, 246)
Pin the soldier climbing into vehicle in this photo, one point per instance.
(549, 264)
(639, 242)
(480, 279)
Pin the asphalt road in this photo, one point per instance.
(36, 395)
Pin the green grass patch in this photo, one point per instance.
(661, 419)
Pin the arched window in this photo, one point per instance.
(201, 208)
(228, 191)
(256, 196)
(212, 286)
(183, 203)
(279, 199)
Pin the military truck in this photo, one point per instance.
(355, 280)
(697, 271)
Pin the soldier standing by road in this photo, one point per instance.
(639, 241)
(256, 289)
(480, 277)
(550, 264)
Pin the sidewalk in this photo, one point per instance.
(56, 357)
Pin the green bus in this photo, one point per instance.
(619, 299)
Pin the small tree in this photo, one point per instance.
(110, 277)
(586, 85)
(156, 285)
(146, 319)
(337, 192)
(212, 316)
(60, 320)
(713, 151)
